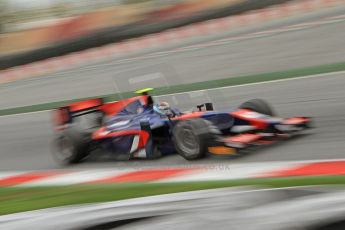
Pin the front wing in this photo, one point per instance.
(232, 145)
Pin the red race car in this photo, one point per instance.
(138, 128)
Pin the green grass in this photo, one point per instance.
(193, 86)
(18, 199)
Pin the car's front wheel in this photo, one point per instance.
(259, 106)
(192, 138)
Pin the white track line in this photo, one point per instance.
(258, 83)
(218, 88)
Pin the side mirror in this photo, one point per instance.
(208, 107)
(200, 107)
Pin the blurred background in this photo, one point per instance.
(27, 25)
(53, 52)
(32, 30)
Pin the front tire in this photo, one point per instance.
(259, 106)
(192, 138)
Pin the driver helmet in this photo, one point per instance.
(162, 108)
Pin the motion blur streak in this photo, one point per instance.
(239, 208)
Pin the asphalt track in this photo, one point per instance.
(303, 41)
(26, 139)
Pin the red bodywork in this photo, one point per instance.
(83, 105)
(62, 115)
(103, 133)
(260, 124)
(254, 121)
(113, 108)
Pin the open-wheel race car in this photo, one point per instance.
(137, 127)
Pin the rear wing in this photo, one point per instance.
(64, 115)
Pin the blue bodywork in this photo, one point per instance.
(134, 114)
(131, 117)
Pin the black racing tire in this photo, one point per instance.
(71, 147)
(192, 137)
(259, 106)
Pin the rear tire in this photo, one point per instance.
(192, 138)
(259, 106)
(71, 147)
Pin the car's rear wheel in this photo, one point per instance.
(71, 147)
(192, 137)
(259, 106)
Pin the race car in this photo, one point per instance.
(138, 127)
